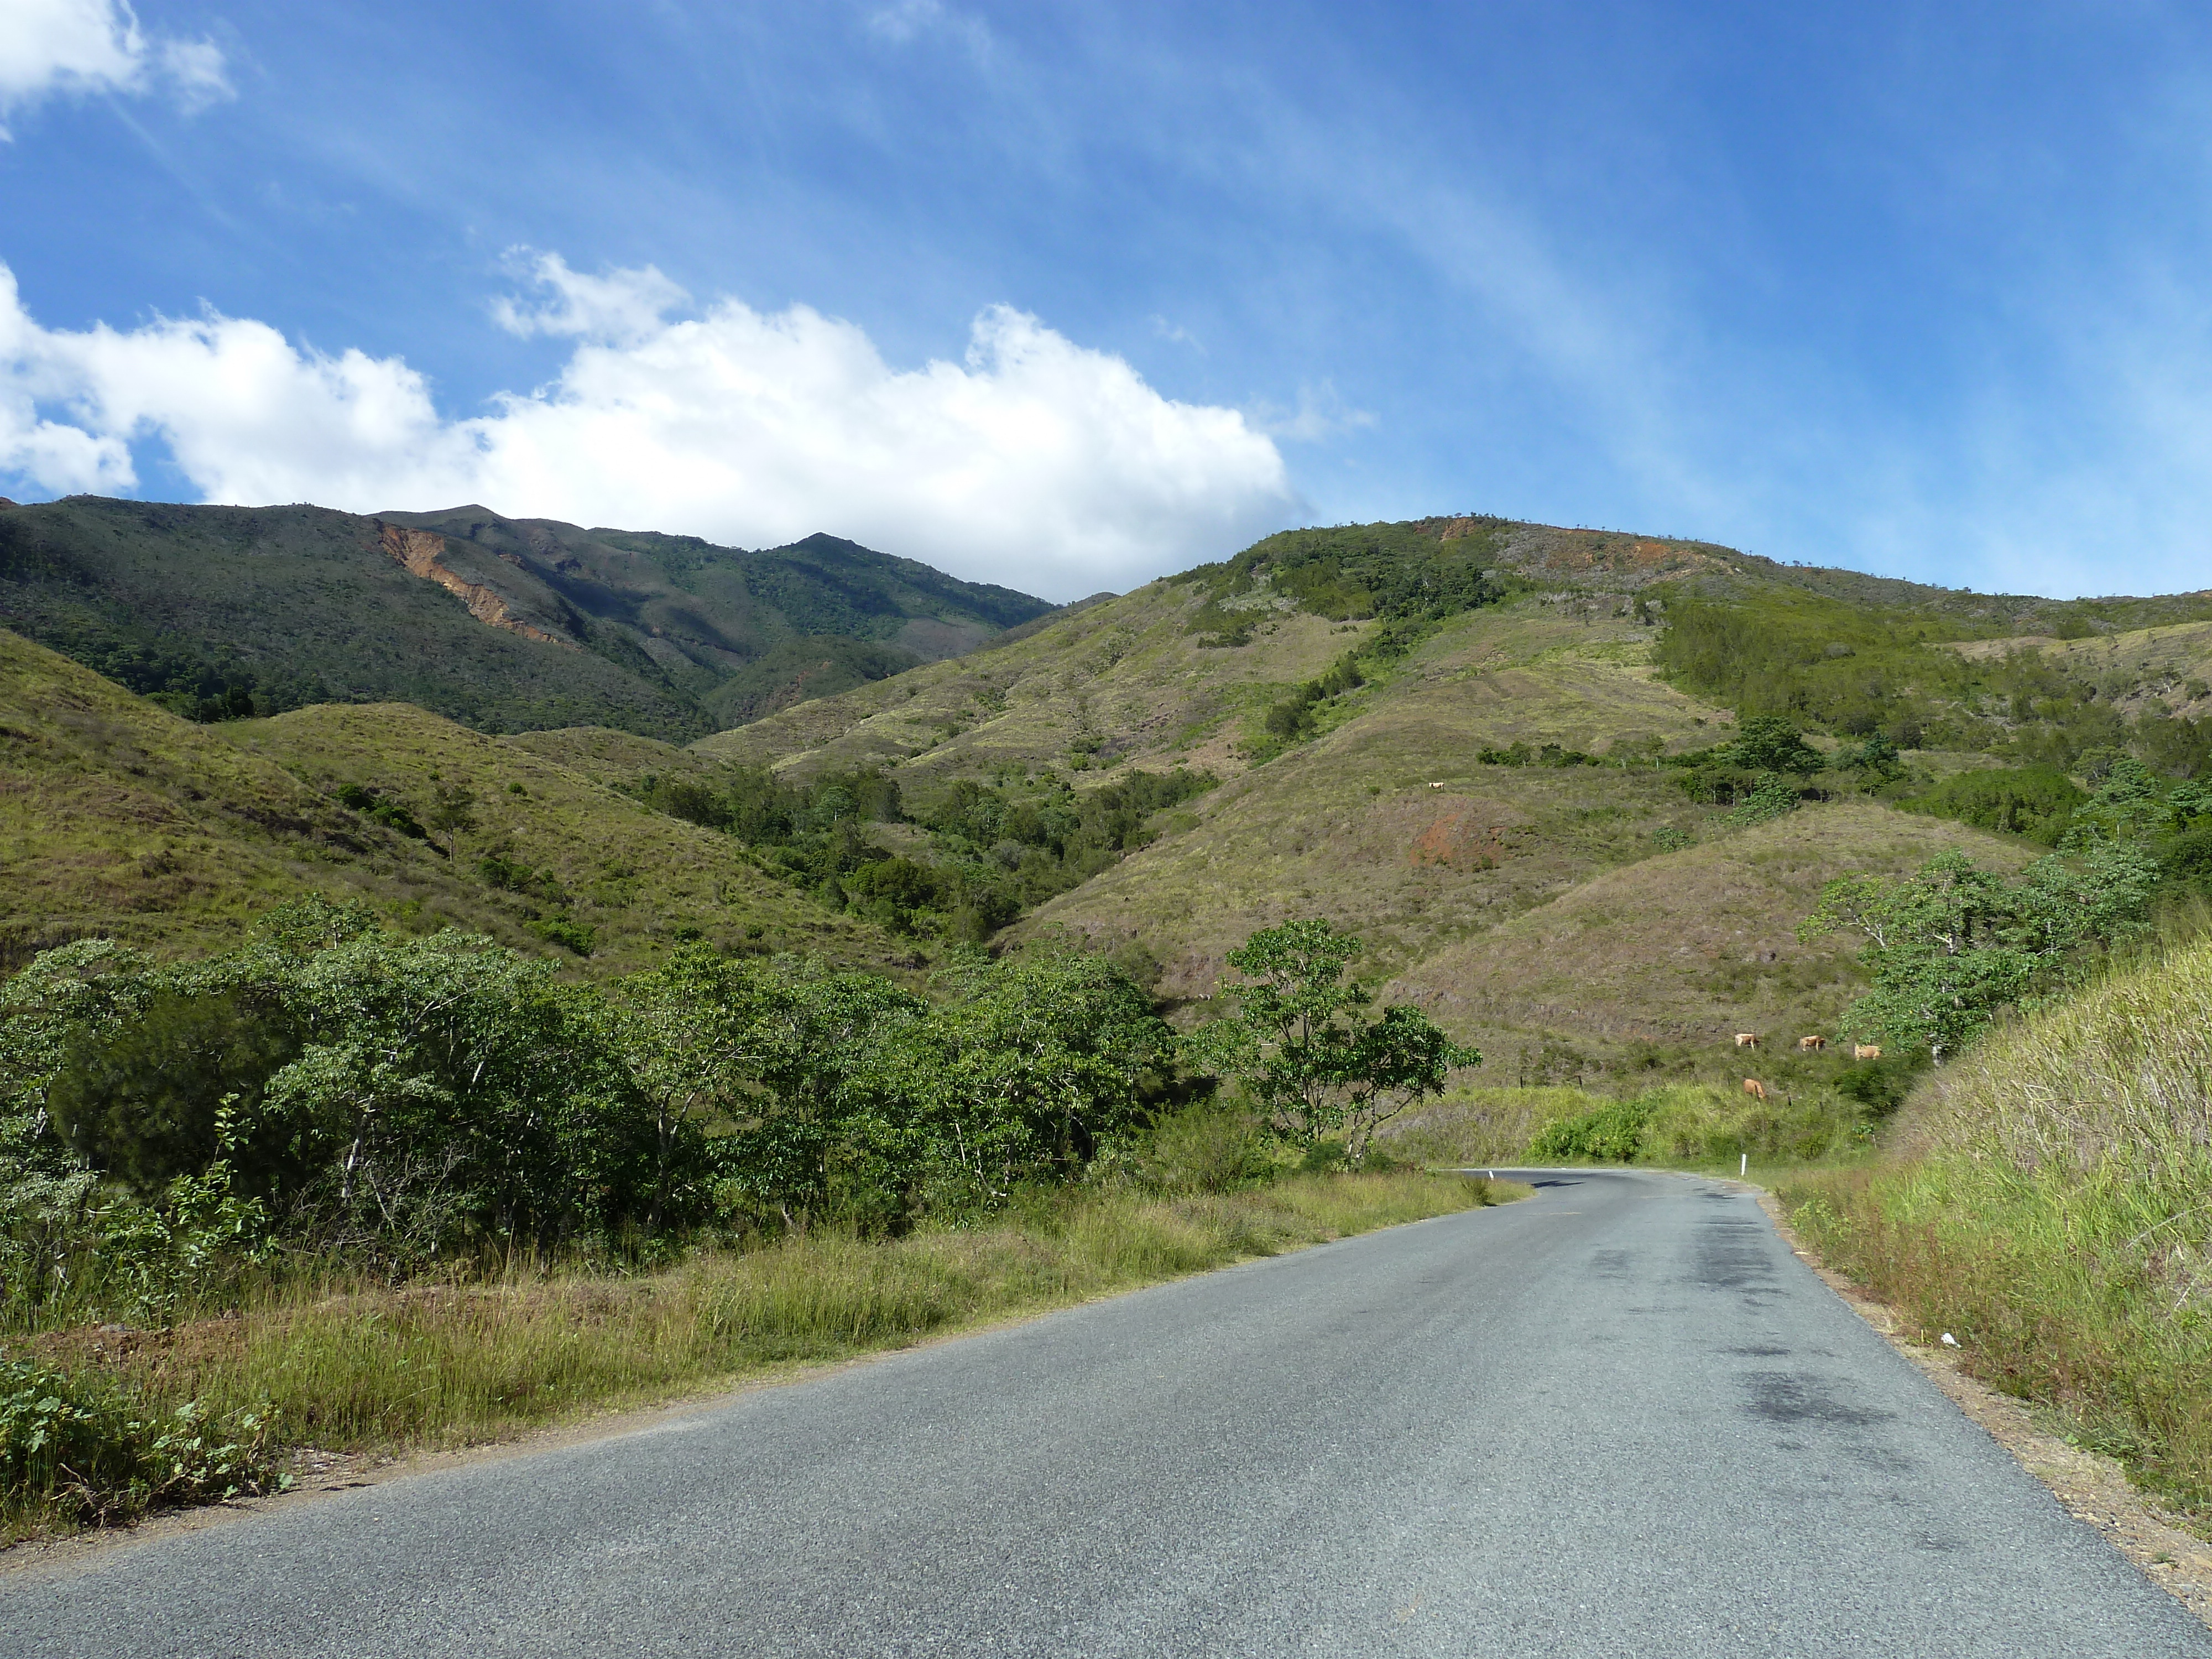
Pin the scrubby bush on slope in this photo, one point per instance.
(335, 1092)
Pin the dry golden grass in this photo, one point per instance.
(2160, 664)
(1690, 946)
(1123, 672)
(1354, 827)
(1471, 1126)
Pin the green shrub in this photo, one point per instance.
(2035, 801)
(1879, 1086)
(568, 935)
(145, 1102)
(1772, 797)
(1207, 1148)
(98, 1454)
(1611, 1133)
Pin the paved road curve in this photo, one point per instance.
(1620, 1419)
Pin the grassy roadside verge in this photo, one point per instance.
(2047, 1293)
(2047, 1201)
(380, 1370)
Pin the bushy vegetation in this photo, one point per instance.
(90, 1449)
(1301, 1050)
(2048, 1202)
(1857, 669)
(335, 1092)
(1951, 945)
(997, 849)
(333, 1107)
(1703, 1124)
(1400, 573)
(2035, 801)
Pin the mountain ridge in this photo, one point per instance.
(503, 624)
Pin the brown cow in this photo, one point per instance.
(1865, 1051)
(1754, 1088)
(1746, 1039)
(1810, 1043)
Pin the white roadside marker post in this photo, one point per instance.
(1744, 1168)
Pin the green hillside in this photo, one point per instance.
(1353, 688)
(117, 819)
(502, 625)
(1501, 753)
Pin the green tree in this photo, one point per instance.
(1770, 743)
(1301, 1046)
(452, 814)
(1951, 944)
(1041, 1061)
(154, 1100)
(790, 1061)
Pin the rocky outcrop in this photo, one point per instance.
(422, 552)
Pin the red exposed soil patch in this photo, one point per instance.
(1466, 836)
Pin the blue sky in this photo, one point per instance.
(1067, 296)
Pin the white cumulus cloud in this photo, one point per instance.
(1033, 461)
(63, 46)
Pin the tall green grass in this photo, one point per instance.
(2047, 1199)
(1480, 1126)
(1694, 1124)
(365, 1368)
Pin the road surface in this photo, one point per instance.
(1618, 1419)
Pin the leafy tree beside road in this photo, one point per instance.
(1303, 1051)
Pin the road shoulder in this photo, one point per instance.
(2092, 1488)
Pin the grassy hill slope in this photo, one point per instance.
(1123, 681)
(1597, 911)
(1448, 736)
(502, 624)
(118, 818)
(1355, 826)
(1687, 947)
(2169, 667)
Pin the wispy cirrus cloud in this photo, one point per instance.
(913, 20)
(1319, 414)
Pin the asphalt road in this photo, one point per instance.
(1620, 1419)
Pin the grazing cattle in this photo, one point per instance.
(1746, 1039)
(1865, 1051)
(1754, 1088)
(1810, 1043)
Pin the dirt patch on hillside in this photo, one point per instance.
(1435, 826)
